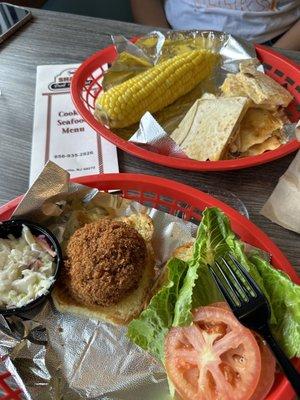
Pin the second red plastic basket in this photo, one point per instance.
(181, 200)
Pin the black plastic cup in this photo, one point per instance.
(14, 227)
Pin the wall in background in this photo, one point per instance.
(25, 3)
(110, 9)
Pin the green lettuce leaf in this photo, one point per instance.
(190, 285)
(148, 331)
(198, 287)
(214, 239)
(285, 299)
(238, 250)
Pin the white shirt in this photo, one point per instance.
(253, 20)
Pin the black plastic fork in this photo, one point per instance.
(251, 308)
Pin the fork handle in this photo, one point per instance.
(289, 370)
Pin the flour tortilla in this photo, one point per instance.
(256, 127)
(271, 143)
(209, 126)
(259, 87)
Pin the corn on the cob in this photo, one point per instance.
(152, 90)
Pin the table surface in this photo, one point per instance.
(57, 38)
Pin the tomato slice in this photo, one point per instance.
(215, 358)
(267, 374)
(268, 364)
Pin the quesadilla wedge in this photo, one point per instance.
(209, 126)
(259, 87)
(271, 143)
(256, 127)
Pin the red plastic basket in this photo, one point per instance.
(86, 85)
(178, 199)
(7, 385)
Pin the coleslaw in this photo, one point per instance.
(26, 268)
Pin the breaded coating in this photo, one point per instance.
(105, 261)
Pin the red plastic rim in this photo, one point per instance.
(179, 199)
(86, 85)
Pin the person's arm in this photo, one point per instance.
(291, 39)
(149, 12)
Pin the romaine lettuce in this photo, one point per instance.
(214, 239)
(190, 285)
(198, 287)
(148, 331)
(285, 299)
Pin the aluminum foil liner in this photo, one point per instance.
(153, 132)
(153, 137)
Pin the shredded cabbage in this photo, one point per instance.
(26, 270)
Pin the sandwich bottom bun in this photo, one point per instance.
(184, 252)
(130, 306)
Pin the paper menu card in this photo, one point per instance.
(59, 132)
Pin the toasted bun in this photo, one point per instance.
(184, 252)
(142, 223)
(130, 306)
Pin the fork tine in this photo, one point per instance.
(238, 282)
(220, 286)
(247, 276)
(227, 295)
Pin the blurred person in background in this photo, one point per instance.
(271, 22)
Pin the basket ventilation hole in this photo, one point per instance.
(182, 204)
(133, 194)
(148, 203)
(289, 81)
(267, 66)
(149, 195)
(278, 72)
(163, 208)
(197, 211)
(166, 199)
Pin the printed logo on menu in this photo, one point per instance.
(62, 81)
